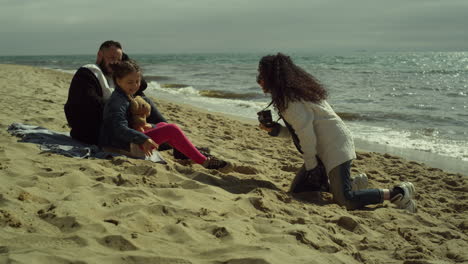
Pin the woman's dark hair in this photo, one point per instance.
(288, 82)
(123, 68)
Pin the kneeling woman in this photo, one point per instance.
(321, 136)
(116, 131)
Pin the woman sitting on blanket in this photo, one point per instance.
(117, 132)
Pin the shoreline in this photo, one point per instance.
(446, 163)
(435, 160)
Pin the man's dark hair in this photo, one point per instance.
(288, 82)
(110, 43)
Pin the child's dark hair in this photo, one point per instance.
(288, 82)
(123, 68)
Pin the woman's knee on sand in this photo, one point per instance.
(343, 196)
(343, 192)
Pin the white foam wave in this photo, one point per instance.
(61, 70)
(191, 96)
(410, 140)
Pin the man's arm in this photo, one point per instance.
(155, 116)
(85, 89)
(85, 103)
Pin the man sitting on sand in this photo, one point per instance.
(90, 88)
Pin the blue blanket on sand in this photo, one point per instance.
(62, 143)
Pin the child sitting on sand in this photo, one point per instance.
(321, 136)
(116, 131)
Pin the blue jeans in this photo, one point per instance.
(340, 187)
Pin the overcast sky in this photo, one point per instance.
(39, 27)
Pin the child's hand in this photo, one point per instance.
(148, 146)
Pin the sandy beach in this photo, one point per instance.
(57, 209)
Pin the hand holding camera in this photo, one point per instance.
(266, 123)
(265, 118)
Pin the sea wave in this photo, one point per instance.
(227, 95)
(406, 117)
(154, 78)
(185, 89)
(359, 101)
(207, 74)
(350, 116)
(401, 94)
(425, 140)
(189, 95)
(443, 72)
(423, 107)
(174, 85)
(459, 94)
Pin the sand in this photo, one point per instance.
(56, 209)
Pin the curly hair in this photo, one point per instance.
(288, 82)
(123, 68)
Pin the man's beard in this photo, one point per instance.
(103, 67)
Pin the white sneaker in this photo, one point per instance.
(359, 182)
(406, 201)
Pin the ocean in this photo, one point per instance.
(400, 102)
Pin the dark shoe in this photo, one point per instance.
(203, 150)
(213, 163)
(164, 146)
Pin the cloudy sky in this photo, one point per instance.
(39, 27)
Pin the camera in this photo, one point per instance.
(264, 117)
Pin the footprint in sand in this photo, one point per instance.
(25, 196)
(301, 236)
(117, 242)
(65, 224)
(141, 170)
(141, 259)
(72, 242)
(245, 169)
(50, 173)
(347, 223)
(4, 249)
(362, 156)
(258, 204)
(220, 232)
(414, 255)
(247, 261)
(227, 138)
(7, 219)
(43, 241)
(459, 207)
(183, 166)
(289, 168)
